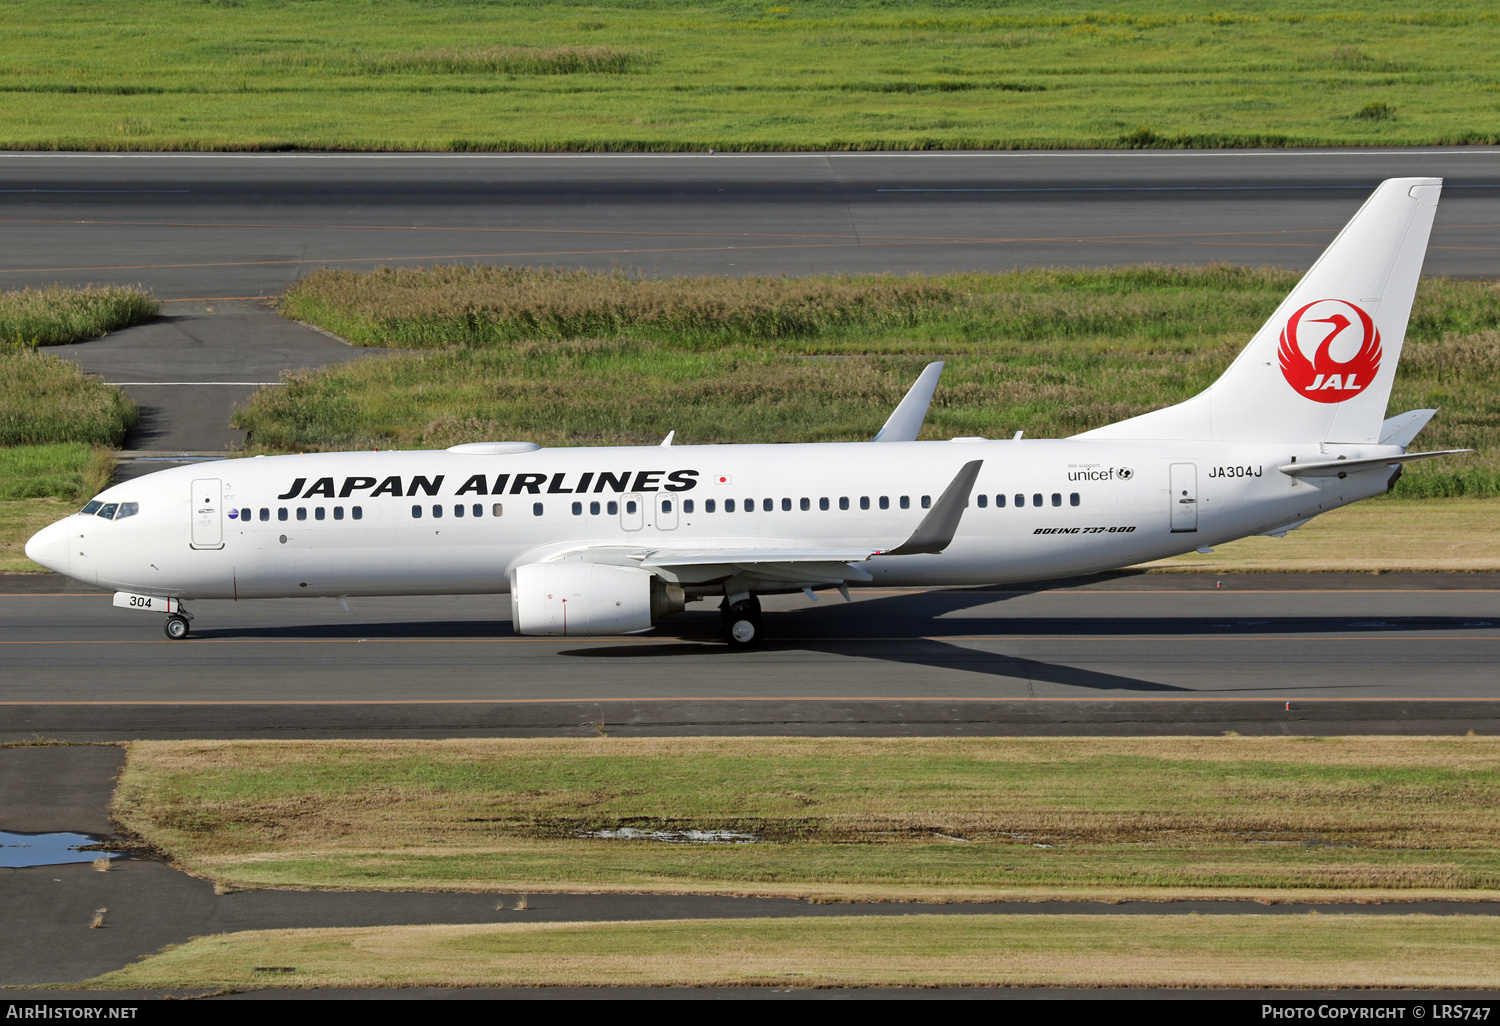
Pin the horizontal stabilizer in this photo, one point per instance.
(1337, 468)
(906, 423)
(1402, 428)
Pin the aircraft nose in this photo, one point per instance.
(49, 547)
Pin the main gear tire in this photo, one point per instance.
(742, 624)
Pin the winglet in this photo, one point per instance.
(906, 422)
(665, 442)
(941, 522)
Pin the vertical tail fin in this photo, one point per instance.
(1320, 370)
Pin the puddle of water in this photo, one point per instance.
(674, 836)
(20, 850)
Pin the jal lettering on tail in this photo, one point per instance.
(1345, 348)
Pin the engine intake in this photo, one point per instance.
(581, 599)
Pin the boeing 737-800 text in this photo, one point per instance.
(594, 541)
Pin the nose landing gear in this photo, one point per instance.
(177, 624)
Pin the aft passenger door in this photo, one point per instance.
(1184, 498)
(208, 523)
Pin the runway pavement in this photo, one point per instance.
(210, 226)
(1118, 654)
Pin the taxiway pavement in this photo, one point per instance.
(1117, 654)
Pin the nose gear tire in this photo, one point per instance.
(176, 627)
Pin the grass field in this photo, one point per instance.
(57, 315)
(815, 74)
(924, 819)
(917, 950)
(1389, 535)
(582, 358)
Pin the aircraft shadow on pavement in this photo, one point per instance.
(912, 628)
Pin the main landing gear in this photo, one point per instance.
(741, 622)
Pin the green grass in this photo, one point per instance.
(64, 470)
(582, 358)
(819, 74)
(45, 400)
(1324, 951)
(931, 818)
(57, 315)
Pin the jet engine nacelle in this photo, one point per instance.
(577, 598)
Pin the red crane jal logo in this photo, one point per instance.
(1330, 351)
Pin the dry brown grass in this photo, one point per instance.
(1388, 535)
(913, 950)
(505, 60)
(838, 815)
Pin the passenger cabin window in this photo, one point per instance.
(1020, 500)
(926, 501)
(687, 505)
(416, 512)
(806, 504)
(281, 513)
(437, 510)
(999, 502)
(749, 505)
(823, 502)
(630, 506)
(301, 512)
(338, 512)
(768, 505)
(265, 514)
(666, 505)
(786, 505)
(906, 502)
(578, 509)
(319, 514)
(594, 509)
(536, 509)
(885, 502)
(496, 510)
(108, 510)
(728, 505)
(983, 500)
(709, 505)
(843, 502)
(1073, 499)
(245, 515)
(864, 502)
(1036, 499)
(1057, 498)
(358, 512)
(613, 508)
(458, 509)
(91, 508)
(478, 509)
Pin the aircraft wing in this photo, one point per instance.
(792, 564)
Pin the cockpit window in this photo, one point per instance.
(91, 508)
(127, 509)
(107, 511)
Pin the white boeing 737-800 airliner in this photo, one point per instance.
(596, 541)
